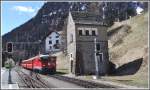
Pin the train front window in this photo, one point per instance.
(44, 58)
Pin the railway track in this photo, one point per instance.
(33, 81)
(82, 83)
(36, 81)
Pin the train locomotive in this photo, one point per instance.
(43, 64)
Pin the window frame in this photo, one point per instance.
(50, 41)
(87, 32)
(57, 42)
(98, 46)
(80, 32)
(94, 32)
(57, 37)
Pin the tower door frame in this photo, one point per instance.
(100, 61)
(102, 56)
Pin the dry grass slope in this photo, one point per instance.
(133, 45)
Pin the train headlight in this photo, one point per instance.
(49, 64)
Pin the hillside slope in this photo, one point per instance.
(129, 44)
(136, 39)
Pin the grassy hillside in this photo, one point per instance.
(129, 42)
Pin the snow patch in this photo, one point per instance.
(59, 10)
(71, 7)
(83, 7)
(54, 12)
(103, 8)
(50, 14)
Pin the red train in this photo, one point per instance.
(44, 64)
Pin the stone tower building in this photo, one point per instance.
(82, 29)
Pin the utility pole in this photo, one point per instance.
(96, 62)
(10, 66)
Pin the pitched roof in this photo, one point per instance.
(87, 18)
(49, 34)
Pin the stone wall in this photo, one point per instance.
(86, 57)
(85, 62)
(71, 42)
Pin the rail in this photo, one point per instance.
(33, 81)
(83, 83)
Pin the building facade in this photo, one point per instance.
(53, 42)
(82, 29)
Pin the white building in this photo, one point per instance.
(53, 42)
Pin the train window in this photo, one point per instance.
(44, 58)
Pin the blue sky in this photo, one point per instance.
(15, 13)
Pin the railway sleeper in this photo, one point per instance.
(86, 84)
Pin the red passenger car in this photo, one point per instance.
(42, 63)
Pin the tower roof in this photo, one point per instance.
(87, 18)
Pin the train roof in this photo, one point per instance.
(30, 59)
(43, 55)
(38, 56)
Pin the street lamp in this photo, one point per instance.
(10, 66)
(96, 61)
